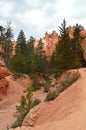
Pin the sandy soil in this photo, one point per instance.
(14, 93)
(7, 117)
(9, 101)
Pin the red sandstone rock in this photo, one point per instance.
(3, 82)
(3, 86)
(4, 72)
(50, 41)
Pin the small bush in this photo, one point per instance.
(26, 104)
(46, 87)
(51, 96)
(35, 82)
(32, 88)
(35, 102)
(47, 78)
(17, 75)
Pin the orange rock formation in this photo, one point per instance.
(4, 72)
(50, 41)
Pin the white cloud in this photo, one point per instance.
(5, 9)
(36, 17)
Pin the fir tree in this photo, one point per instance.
(78, 51)
(30, 46)
(2, 39)
(21, 44)
(63, 57)
(41, 58)
(7, 46)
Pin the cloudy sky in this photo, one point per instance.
(36, 17)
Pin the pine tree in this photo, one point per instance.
(7, 46)
(21, 44)
(63, 57)
(30, 46)
(2, 39)
(41, 58)
(2, 31)
(78, 51)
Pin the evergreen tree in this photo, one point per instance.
(30, 46)
(41, 58)
(18, 63)
(29, 54)
(78, 51)
(7, 46)
(21, 44)
(2, 31)
(63, 57)
(2, 39)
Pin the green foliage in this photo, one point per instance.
(6, 43)
(46, 87)
(26, 104)
(2, 31)
(32, 88)
(17, 75)
(21, 44)
(40, 58)
(51, 95)
(78, 51)
(68, 53)
(30, 46)
(35, 82)
(63, 55)
(18, 63)
(62, 85)
(47, 78)
(35, 102)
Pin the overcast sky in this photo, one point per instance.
(36, 17)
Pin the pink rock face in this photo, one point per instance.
(50, 41)
(70, 30)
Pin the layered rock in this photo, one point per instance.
(4, 72)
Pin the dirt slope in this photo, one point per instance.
(67, 112)
(7, 105)
(14, 91)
